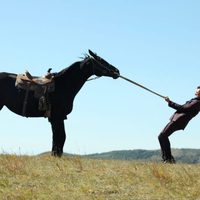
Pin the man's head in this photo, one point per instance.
(197, 93)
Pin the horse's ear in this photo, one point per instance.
(98, 58)
(94, 55)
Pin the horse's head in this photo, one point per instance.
(102, 67)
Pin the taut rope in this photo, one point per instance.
(133, 82)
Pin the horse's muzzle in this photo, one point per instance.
(116, 74)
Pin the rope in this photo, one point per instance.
(91, 79)
(133, 82)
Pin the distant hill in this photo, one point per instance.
(190, 156)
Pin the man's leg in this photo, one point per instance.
(164, 141)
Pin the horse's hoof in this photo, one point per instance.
(56, 154)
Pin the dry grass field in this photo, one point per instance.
(76, 178)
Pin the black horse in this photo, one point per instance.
(67, 84)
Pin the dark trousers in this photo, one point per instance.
(164, 140)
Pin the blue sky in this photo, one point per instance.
(155, 43)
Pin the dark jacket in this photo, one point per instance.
(184, 113)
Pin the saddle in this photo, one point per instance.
(34, 83)
(40, 86)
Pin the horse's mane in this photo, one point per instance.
(73, 65)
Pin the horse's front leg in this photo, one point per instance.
(1, 107)
(59, 136)
(1, 104)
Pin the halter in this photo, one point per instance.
(91, 58)
(91, 79)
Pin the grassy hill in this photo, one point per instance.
(79, 178)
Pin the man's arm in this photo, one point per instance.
(194, 105)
